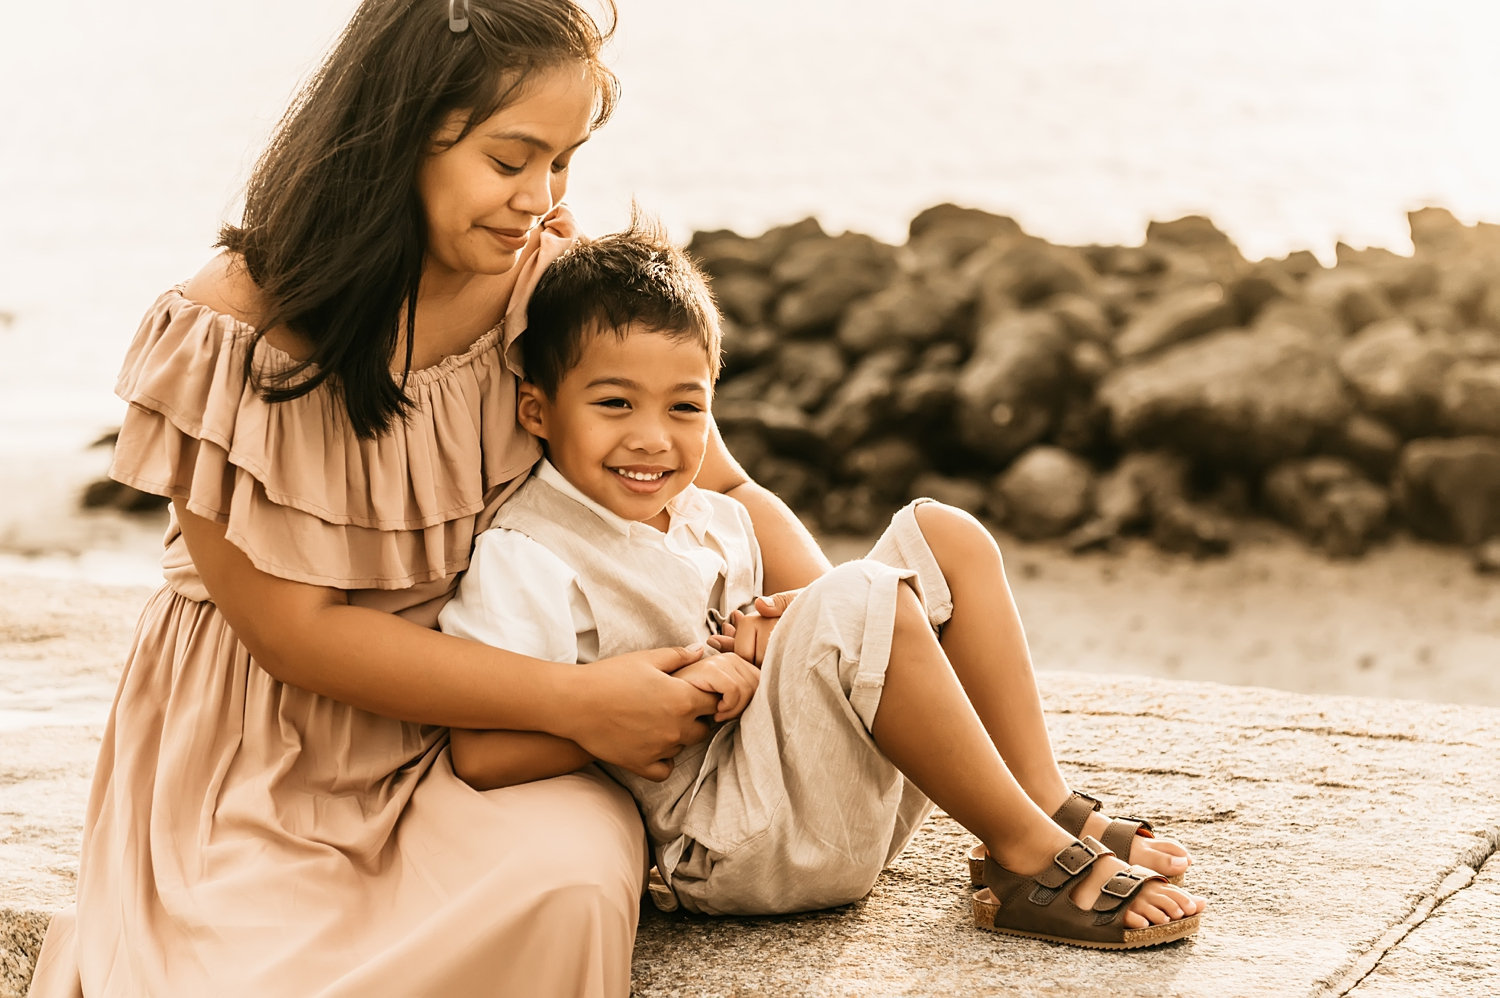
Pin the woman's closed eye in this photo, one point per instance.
(508, 169)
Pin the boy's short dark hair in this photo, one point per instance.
(606, 285)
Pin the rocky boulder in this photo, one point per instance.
(1045, 492)
(1449, 490)
(1011, 391)
(1234, 398)
(1329, 502)
(1398, 372)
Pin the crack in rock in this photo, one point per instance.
(1459, 877)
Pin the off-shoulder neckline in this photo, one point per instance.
(485, 343)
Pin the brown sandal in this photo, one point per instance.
(1117, 837)
(1041, 907)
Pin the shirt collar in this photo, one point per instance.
(686, 511)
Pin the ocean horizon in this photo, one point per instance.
(130, 131)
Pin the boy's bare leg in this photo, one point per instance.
(986, 644)
(928, 728)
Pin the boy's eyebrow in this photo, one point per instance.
(536, 141)
(681, 386)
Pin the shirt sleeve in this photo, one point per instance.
(519, 596)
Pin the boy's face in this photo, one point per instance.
(629, 424)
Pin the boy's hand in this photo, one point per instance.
(726, 674)
(748, 634)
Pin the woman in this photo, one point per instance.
(326, 404)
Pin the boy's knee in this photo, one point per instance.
(953, 533)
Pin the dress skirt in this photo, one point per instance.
(246, 837)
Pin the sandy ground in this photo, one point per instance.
(1411, 620)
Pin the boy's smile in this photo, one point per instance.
(629, 423)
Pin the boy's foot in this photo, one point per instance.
(1109, 903)
(1131, 839)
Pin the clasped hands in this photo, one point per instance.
(644, 736)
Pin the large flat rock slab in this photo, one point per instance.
(1320, 825)
(1338, 839)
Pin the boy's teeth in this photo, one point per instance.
(640, 476)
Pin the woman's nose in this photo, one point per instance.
(534, 195)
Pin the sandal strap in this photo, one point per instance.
(1120, 888)
(1070, 863)
(1075, 811)
(1120, 835)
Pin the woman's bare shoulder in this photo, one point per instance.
(225, 285)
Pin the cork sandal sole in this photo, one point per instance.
(976, 868)
(987, 907)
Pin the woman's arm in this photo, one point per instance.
(792, 558)
(626, 709)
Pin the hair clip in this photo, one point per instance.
(458, 23)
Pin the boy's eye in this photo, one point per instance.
(687, 407)
(613, 403)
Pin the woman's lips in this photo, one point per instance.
(511, 239)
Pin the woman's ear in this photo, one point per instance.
(531, 410)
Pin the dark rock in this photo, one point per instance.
(1186, 528)
(1436, 230)
(888, 466)
(1196, 232)
(909, 313)
(822, 276)
(1298, 265)
(1330, 503)
(1196, 247)
(721, 251)
(106, 493)
(746, 348)
(1433, 315)
(744, 296)
(1083, 318)
(1012, 275)
(1487, 557)
(853, 509)
(926, 397)
(1449, 490)
(807, 374)
(1182, 315)
(1127, 261)
(944, 235)
(1090, 362)
(1356, 298)
(862, 405)
(1397, 374)
(786, 430)
(1082, 426)
(1011, 390)
(800, 485)
(1251, 292)
(1317, 322)
(1235, 398)
(1470, 397)
(960, 493)
(1370, 444)
(1046, 492)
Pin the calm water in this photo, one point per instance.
(128, 129)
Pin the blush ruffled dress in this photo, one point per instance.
(247, 837)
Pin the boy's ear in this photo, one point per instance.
(531, 410)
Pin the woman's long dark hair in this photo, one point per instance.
(333, 232)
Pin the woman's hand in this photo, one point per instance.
(748, 634)
(636, 715)
(733, 678)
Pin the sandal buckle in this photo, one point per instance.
(1080, 855)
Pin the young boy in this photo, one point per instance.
(609, 548)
